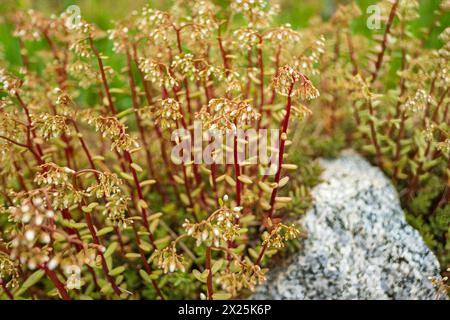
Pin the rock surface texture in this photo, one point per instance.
(358, 246)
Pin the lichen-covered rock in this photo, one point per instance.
(358, 244)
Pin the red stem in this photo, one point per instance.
(373, 135)
(147, 267)
(102, 257)
(237, 171)
(261, 78)
(277, 65)
(281, 151)
(112, 109)
(140, 196)
(223, 53)
(280, 162)
(58, 284)
(379, 61)
(209, 280)
(30, 123)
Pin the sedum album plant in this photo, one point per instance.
(96, 205)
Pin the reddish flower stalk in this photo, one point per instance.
(209, 279)
(145, 83)
(223, 53)
(61, 75)
(237, 170)
(398, 146)
(261, 254)
(165, 159)
(137, 236)
(58, 284)
(112, 109)
(140, 196)
(439, 104)
(333, 103)
(282, 141)
(380, 56)
(355, 71)
(373, 135)
(198, 179)
(135, 101)
(65, 212)
(261, 78)
(78, 245)
(249, 67)
(147, 267)
(149, 99)
(187, 187)
(94, 167)
(30, 124)
(185, 80)
(127, 155)
(27, 146)
(102, 257)
(277, 66)
(214, 176)
(352, 54)
(398, 111)
(402, 92)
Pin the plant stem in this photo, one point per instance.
(140, 196)
(135, 100)
(30, 148)
(58, 284)
(112, 109)
(30, 123)
(102, 257)
(379, 60)
(398, 145)
(261, 254)
(282, 141)
(249, 67)
(373, 135)
(352, 53)
(214, 176)
(261, 77)
(223, 53)
(209, 280)
(237, 172)
(147, 267)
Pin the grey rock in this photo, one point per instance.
(358, 245)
